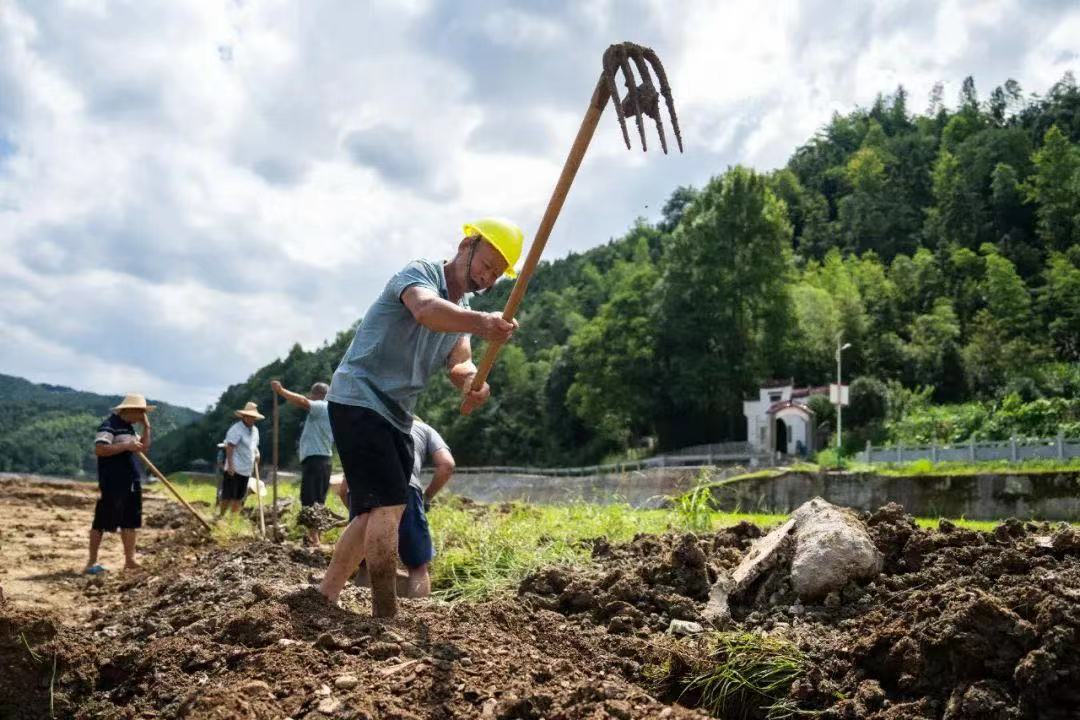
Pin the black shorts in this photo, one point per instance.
(377, 457)
(119, 508)
(314, 480)
(233, 487)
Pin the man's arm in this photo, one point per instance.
(440, 315)
(292, 398)
(229, 447)
(102, 449)
(462, 372)
(145, 439)
(444, 469)
(105, 447)
(459, 363)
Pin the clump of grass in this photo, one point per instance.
(924, 466)
(482, 550)
(831, 459)
(694, 509)
(746, 675)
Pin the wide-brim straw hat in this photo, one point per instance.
(251, 410)
(134, 402)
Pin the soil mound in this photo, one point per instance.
(641, 586)
(242, 634)
(960, 624)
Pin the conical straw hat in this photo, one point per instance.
(251, 410)
(133, 402)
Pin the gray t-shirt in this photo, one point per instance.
(426, 442)
(316, 436)
(392, 356)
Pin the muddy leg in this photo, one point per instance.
(381, 548)
(348, 553)
(419, 582)
(127, 537)
(95, 543)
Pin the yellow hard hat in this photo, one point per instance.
(504, 235)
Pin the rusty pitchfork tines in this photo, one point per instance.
(642, 97)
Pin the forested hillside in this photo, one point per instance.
(943, 245)
(49, 429)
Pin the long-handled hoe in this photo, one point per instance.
(642, 96)
(165, 481)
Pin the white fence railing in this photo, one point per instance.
(1013, 450)
(740, 453)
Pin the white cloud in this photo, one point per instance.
(188, 188)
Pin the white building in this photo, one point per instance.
(780, 420)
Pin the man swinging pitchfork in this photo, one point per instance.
(419, 323)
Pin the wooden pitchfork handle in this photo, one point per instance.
(258, 496)
(641, 99)
(173, 490)
(558, 197)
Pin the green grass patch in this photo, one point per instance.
(916, 467)
(926, 467)
(741, 675)
(483, 550)
(980, 525)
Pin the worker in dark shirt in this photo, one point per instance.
(119, 478)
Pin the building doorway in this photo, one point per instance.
(781, 436)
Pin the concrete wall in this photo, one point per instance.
(1045, 496)
(640, 488)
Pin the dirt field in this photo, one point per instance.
(960, 625)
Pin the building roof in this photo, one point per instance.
(808, 391)
(777, 407)
(777, 383)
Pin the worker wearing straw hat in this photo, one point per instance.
(418, 325)
(241, 454)
(119, 478)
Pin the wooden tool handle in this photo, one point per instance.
(558, 197)
(258, 496)
(173, 490)
(274, 510)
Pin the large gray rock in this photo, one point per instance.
(832, 548)
(820, 549)
(762, 557)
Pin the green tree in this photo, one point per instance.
(725, 311)
(1061, 303)
(1055, 189)
(817, 323)
(614, 389)
(933, 351)
(1007, 298)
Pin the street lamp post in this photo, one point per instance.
(839, 392)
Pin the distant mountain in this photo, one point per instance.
(49, 429)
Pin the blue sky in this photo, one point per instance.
(189, 187)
